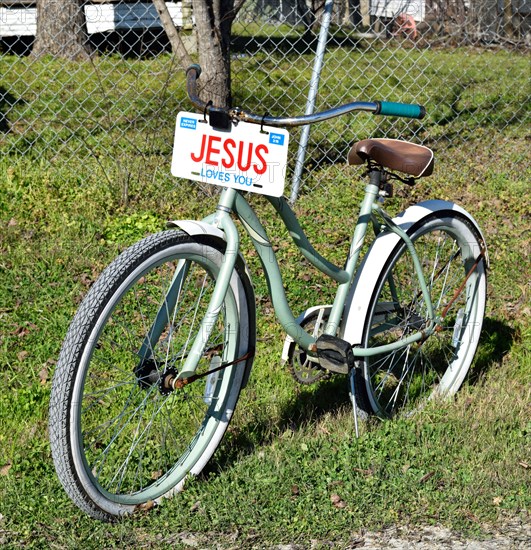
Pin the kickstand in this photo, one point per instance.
(352, 392)
(352, 378)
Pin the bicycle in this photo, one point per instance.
(155, 358)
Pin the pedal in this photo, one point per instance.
(334, 354)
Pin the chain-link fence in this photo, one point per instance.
(117, 103)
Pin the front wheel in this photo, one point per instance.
(120, 436)
(449, 249)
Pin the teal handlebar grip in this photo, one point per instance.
(388, 108)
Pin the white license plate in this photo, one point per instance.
(248, 157)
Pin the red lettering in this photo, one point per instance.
(229, 161)
(212, 150)
(258, 152)
(244, 167)
(212, 146)
(198, 158)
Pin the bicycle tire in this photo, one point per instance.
(448, 245)
(120, 440)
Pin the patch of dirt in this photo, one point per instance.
(514, 535)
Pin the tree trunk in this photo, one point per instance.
(213, 20)
(177, 45)
(61, 30)
(508, 18)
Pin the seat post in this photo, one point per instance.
(375, 177)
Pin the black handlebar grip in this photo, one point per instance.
(196, 68)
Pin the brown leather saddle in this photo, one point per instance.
(394, 154)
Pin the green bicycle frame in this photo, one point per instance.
(233, 201)
(344, 277)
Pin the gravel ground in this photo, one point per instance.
(513, 534)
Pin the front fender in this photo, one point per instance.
(194, 227)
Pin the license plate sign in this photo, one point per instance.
(248, 157)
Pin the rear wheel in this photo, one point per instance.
(448, 247)
(120, 436)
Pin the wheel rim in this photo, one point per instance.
(134, 442)
(408, 377)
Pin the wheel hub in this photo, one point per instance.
(147, 373)
(166, 381)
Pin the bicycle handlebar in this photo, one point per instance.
(386, 108)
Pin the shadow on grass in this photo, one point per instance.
(309, 405)
(496, 341)
(7, 102)
(131, 43)
(313, 402)
(302, 44)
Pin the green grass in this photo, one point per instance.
(290, 453)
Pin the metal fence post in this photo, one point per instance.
(312, 94)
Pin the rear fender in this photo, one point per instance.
(361, 292)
